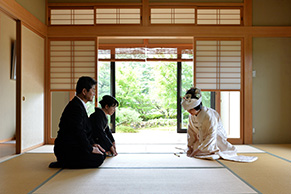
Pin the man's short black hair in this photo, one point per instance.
(85, 82)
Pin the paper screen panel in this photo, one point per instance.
(118, 16)
(218, 65)
(70, 60)
(219, 16)
(172, 15)
(72, 17)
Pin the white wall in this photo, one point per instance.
(35, 7)
(32, 88)
(272, 90)
(7, 86)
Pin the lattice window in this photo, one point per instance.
(118, 16)
(130, 53)
(218, 64)
(70, 60)
(162, 53)
(221, 16)
(172, 15)
(143, 53)
(187, 15)
(187, 54)
(72, 16)
(104, 54)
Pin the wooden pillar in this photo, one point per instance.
(248, 91)
(18, 86)
(248, 12)
(145, 13)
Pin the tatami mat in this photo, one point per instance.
(269, 174)
(43, 149)
(247, 149)
(25, 172)
(150, 136)
(280, 150)
(151, 148)
(151, 173)
(156, 161)
(126, 148)
(7, 149)
(145, 181)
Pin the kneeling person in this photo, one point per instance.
(74, 146)
(101, 132)
(206, 135)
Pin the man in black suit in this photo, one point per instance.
(74, 146)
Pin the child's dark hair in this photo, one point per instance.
(85, 82)
(108, 100)
(196, 94)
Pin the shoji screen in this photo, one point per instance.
(218, 64)
(172, 15)
(70, 60)
(72, 16)
(223, 16)
(118, 16)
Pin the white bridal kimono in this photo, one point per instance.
(206, 133)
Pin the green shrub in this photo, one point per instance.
(147, 117)
(126, 116)
(125, 129)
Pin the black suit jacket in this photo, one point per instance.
(74, 133)
(101, 132)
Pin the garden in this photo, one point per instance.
(147, 94)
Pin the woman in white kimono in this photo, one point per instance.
(206, 135)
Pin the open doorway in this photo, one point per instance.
(150, 77)
(147, 83)
(147, 92)
(149, 99)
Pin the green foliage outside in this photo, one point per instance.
(125, 129)
(147, 93)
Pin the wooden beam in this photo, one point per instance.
(185, 4)
(128, 45)
(17, 12)
(168, 30)
(93, 4)
(167, 4)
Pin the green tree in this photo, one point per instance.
(103, 79)
(164, 88)
(132, 87)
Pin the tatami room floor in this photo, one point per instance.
(151, 163)
(7, 149)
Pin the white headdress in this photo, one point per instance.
(189, 103)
